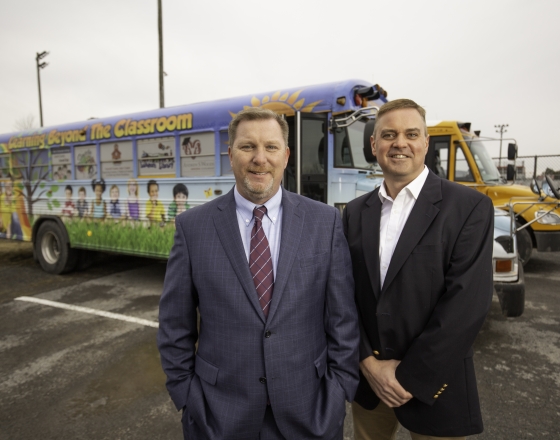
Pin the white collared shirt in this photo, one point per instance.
(271, 223)
(394, 214)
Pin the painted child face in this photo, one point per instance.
(115, 194)
(82, 195)
(180, 199)
(98, 191)
(132, 189)
(154, 190)
(68, 194)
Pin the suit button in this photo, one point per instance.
(375, 352)
(262, 380)
(267, 334)
(436, 396)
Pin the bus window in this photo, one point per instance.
(40, 165)
(116, 160)
(4, 165)
(156, 157)
(20, 161)
(61, 159)
(198, 155)
(225, 165)
(313, 157)
(85, 162)
(437, 158)
(342, 153)
(462, 170)
(348, 147)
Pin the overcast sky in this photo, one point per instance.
(488, 62)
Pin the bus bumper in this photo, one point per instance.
(512, 295)
(548, 241)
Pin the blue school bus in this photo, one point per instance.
(116, 184)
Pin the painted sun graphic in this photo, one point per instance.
(282, 103)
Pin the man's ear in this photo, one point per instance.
(372, 140)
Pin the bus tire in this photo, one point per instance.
(524, 245)
(53, 250)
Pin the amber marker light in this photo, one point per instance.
(504, 265)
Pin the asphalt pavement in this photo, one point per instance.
(66, 374)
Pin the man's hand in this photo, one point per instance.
(381, 378)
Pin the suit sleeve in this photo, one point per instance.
(365, 346)
(178, 331)
(459, 312)
(341, 318)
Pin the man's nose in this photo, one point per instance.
(260, 155)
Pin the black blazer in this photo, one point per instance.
(437, 292)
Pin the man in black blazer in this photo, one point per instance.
(421, 251)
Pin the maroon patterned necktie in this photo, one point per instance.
(260, 261)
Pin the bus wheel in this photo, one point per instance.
(524, 245)
(52, 249)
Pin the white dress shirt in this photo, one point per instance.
(394, 214)
(271, 223)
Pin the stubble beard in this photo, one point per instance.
(259, 192)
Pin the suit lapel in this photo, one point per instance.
(290, 239)
(371, 217)
(227, 228)
(421, 217)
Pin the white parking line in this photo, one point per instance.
(60, 305)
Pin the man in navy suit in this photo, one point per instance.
(421, 251)
(270, 274)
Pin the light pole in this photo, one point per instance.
(501, 129)
(40, 66)
(161, 73)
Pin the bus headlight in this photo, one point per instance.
(547, 219)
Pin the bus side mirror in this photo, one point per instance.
(510, 173)
(552, 186)
(368, 131)
(512, 152)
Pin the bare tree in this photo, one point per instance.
(25, 123)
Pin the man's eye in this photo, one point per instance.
(388, 136)
(412, 135)
(245, 147)
(271, 147)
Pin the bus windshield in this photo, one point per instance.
(348, 149)
(488, 170)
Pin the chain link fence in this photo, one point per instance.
(527, 167)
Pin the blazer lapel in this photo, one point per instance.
(227, 228)
(419, 220)
(290, 239)
(371, 217)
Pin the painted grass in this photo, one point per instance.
(122, 237)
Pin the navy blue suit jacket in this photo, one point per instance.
(303, 359)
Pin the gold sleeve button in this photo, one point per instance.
(375, 352)
(436, 396)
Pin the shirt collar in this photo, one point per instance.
(245, 207)
(413, 187)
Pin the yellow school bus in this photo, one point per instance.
(460, 155)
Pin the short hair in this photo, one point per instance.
(100, 182)
(399, 104)
(150, 183)
(133, 181)
(81, 189)
(180, 188)
(256, 114)
(68, 188)
(114, 187)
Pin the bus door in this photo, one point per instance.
(306, 173)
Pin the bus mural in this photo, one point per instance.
(118, 183)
